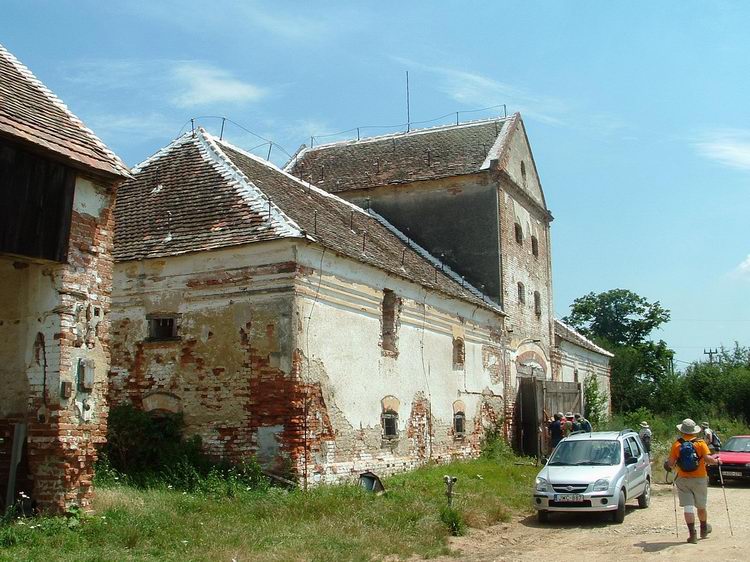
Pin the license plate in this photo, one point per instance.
(731, 473)
(569, 498)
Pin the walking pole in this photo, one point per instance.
(674, 501)
(726, 505)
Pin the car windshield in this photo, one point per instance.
(737, 445)
(589, 452)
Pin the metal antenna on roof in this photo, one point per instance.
(367, 202)
(312, 141)
(408, 109)
(351, 221)
(505, 110)
(403, 255)
(456, 117)
(221, 133)
(357, 133)
(270, 146)
(192, 126)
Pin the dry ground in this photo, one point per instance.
(647, 533)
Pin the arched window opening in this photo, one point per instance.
(535, 246)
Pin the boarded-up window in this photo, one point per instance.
(537, 303)
(390, 424)
(519, 233)
(162, 327)
(459, 418)
(390, 320)
(459, 352)
(534, 246)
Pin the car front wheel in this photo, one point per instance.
(619, 515)
(644, 500)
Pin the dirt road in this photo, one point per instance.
(645, 533)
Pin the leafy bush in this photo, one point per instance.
(494, 446)
(453, 520)
(150, 451)
(595, 401)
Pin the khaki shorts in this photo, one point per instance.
(692, 491)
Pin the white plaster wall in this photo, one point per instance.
(587, 363)
(28, 298)
(339, 313)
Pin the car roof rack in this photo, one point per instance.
(626, 430)
(577, 432)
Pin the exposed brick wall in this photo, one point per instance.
(63, 433)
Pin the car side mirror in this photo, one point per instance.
(631, 460)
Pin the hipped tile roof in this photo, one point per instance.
(200, 193)
(425, 154)
(29, 111)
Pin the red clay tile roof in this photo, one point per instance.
(424, 154)
(32, 113)
(200, 193)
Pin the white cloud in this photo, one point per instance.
(742, 271)
(202, 84)
(476, 90)
(184, 83)
(729, 148)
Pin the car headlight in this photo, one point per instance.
(601, 485)
(541, 484)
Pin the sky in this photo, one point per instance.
(637, 112)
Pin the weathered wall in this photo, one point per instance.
(453, 218)
(55, 315)
(229, 371)
(348, 376)
(577, 364)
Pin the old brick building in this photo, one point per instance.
(286, 323)
(471, 195)
(57, 184)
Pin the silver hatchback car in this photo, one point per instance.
(597, 471)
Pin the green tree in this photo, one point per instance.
(622, 321)
(594, 400)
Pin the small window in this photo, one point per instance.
(519, 233)
(635, 447)
(390, 424)
(162, 327)
(537, 303)
(459, 424)
(535, 246)
(459, 352)
(521, 293)
(523, 172)
(389, 321)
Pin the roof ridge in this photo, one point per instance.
(400, 134)
(115, 161)
(599, 348)
(281, 223)
(302, 183)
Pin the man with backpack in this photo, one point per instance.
(690, 455)
(581, 424)
(711, 438)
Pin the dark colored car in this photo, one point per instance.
(735, 460)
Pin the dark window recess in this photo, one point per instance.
(390, 320)
(459, 423)
(162, 328)
(390, 424)
(537, 303)
(459, 352)
(534, 246)
(37, 204)
(523, 172)
(521, 293)
(519, 233)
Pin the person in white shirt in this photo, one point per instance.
(645, 435)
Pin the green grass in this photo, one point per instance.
(326, 523)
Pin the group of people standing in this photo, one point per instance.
(561, 425)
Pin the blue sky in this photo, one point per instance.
(637, 112)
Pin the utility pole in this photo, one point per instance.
(711, 353)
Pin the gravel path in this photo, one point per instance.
(645, 533)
